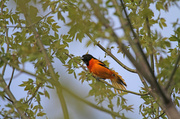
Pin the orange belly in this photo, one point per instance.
(99, 71)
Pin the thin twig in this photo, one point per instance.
(30, 24)
(15, 76)
(144, 83)
(159, 115)
(111, 107)
(22, 70)
(156, 63)
(8, 99)
(127, 91)
(140, 94)
(105, 22)
(34, 94)
(111, 55)
(173, 72)
(145, 68)
(150, 44)
(40, 19)
(3, 83)
(117, 28)
(7, 43)
(15, 26)
(11, 78)
(12, 98)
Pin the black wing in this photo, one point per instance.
(102, 64)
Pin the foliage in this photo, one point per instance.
(35, 39)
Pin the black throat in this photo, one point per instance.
(86, 58)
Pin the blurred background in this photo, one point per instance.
(77, 109)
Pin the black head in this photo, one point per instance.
(86, 58)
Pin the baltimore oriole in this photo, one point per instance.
(100, 70)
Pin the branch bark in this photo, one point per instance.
(141, 64)
(12, 98)
(170, 82)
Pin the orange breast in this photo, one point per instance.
(99, 70)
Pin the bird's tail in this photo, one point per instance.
(118, 82)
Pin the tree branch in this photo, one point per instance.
(8, 99)
(34, 94)
(3, 83)
(55, 82)
(11, 78)
(141, 63)
(127, 91)
(170, 82)
(140, 94)
(32, 24)
(65, 89)
(116, 114)
(144, 83)
(145, 68)
(22, 70)
(7, 42)
(159, 115)
(111, 55)
(12, 98)
(150, 44)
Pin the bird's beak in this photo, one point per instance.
(82, 58)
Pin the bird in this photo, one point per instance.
(101, 71)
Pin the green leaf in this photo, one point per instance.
(22, 85)
(82, 76)
(33, 11)
(160, 25)
(178, 32)
(174, 38)
(46, 94)
(41, 93)
(38, 98)
(11, 19)
(41, 114)
(162, 20)
(75, 75)
(50, 20)
(80, 36)
(70, 71)
(51, 87)
(177, 102)
(28, 87)
(118, 101)
(55, 27)
(159, 6)
(60, 16)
